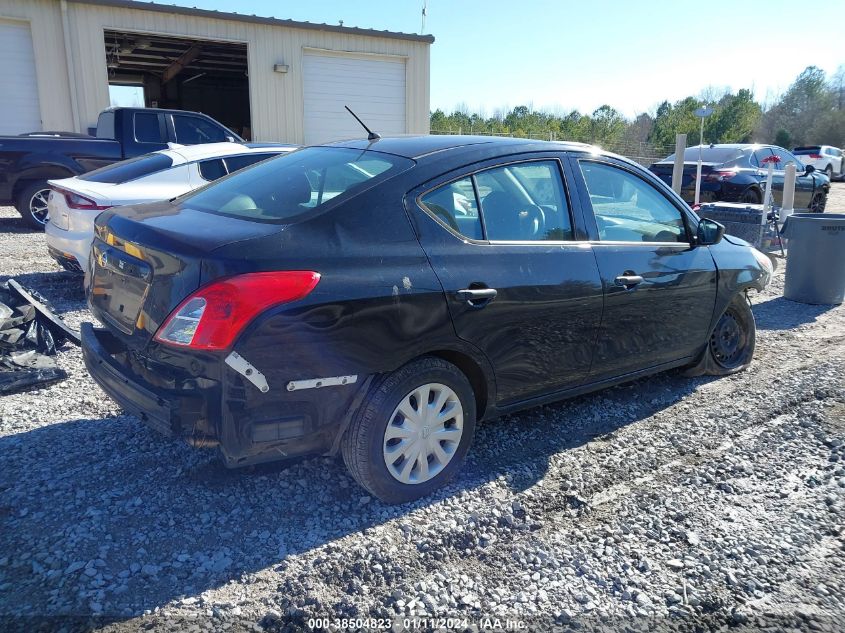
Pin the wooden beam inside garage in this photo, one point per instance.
(177, 66)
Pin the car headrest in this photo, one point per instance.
(295, 187)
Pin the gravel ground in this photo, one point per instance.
(681, 501)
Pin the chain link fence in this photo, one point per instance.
(643, 153)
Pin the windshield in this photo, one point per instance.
(709, 155)
(292, 184)
(127, 170)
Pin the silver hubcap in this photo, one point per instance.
(38, 205)
(423, 433)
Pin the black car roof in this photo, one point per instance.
(416, 147)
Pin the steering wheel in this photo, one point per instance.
(534, 221)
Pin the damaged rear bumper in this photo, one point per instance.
(171, 414)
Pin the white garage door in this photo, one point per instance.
(19, 110)
(373, 87)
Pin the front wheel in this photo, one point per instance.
(32, 204)
(412, 432)
(730, 347)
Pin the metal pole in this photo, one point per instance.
(678, 169)
(698, 168)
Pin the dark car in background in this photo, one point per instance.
(28, 161)
(737, 173)
(378, 298)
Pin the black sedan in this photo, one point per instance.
(378, 299)
(737, 173)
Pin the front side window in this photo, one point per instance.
(629, 209)
(192, 130)
(293, 184)
(762, 157)
(784, 158)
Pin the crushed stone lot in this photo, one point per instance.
(669, 502)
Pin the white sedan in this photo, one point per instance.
(75, 202)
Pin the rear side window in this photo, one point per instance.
(192, 130)
(297, 183)
(629, 209)
(131, 169)
(147, 128)
(212, 169)
(234, 163)
(105, 125)
(455, 205)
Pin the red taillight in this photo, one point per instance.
(213, 316)
(815, 156)
(720, 175)
(75, 201)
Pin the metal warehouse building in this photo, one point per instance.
(63, 61)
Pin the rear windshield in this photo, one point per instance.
(131, 169)
(280, 189)
(815, 149)
(709, 155)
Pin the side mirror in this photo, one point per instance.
(709, 232)
(809, 169)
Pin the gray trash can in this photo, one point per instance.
(815, 262)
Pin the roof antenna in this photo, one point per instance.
(371, 136)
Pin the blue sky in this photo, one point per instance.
(563, 54)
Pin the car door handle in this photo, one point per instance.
(628, 280)
(477, 297)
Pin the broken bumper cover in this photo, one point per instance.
(167, 413)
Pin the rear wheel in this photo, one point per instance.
(828, 171)
(32, 204)
(751, 196)
(818, 203)
(412, 432)
(731, 344)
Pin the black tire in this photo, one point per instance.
(730, 347)
(828, 171)
(363, 443)
(751, 196)
(31, 203)
(818, 203)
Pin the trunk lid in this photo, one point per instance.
(147, 258)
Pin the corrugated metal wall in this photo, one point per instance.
(276, 99)
(45, 19)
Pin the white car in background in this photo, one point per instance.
(825, 158)
(75, 202)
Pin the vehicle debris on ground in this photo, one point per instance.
(30, 334)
